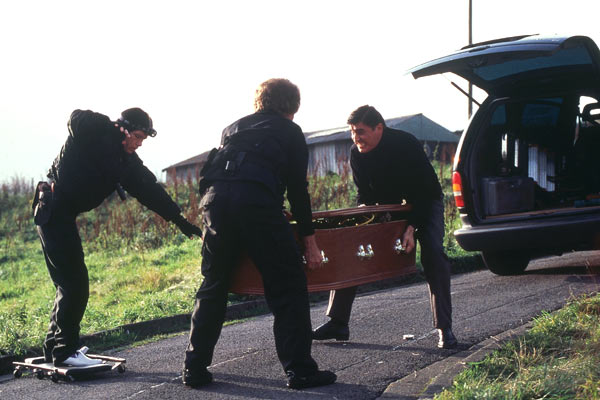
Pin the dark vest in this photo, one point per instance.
(250, 155)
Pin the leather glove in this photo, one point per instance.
(187, 228)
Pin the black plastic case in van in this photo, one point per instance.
(504, 195)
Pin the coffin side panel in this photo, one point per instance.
(345, 267)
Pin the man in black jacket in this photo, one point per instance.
(243, 184)
(390, 166)
(97, 158)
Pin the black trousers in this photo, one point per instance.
(435, 266)
(62, 249)
(241, 217)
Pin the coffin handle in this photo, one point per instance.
(370, 252)
(365, 254)
(324, 258)
(398, 248)
(361, 254)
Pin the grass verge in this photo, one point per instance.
(557, 359)
(125, 287)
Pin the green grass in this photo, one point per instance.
(125, 287)
(557, 359)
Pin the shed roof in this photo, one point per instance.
(419, 125)
(190, 161)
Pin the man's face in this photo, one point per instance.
(133, 141)
(365, 137)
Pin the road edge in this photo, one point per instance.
(424, 384)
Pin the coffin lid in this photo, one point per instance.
(344, 212)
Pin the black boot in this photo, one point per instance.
(447, 339)
(332, 330)
(319, 378)
(196, 377)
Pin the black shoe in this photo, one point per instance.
(196, 378)
(447, 339)
(332, 330)
(319, 378)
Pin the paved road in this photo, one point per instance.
(246, 366)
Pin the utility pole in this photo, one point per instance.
(470, 109)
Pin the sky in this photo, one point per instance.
(194, 65)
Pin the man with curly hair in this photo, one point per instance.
(243, 183)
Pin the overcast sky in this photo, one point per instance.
(194, 65)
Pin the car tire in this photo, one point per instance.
(506, 262)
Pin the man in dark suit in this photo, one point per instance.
(390, 166)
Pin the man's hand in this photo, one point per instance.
(187, 228)
(312, 254)
(408, 239)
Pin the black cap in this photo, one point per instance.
(134, 119)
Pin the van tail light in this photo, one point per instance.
(457, 190)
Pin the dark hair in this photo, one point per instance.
(278, 95)
(136, 119)
(367, 115)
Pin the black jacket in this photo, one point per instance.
(91, 163)
(397, 169)
(270, 150)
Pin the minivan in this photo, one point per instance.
(526, 174)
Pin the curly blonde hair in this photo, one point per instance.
(278, 95)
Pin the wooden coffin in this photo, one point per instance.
(360, 246)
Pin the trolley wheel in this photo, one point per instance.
(17, 373)
(39, 374)
(121, 368)
(54, 377)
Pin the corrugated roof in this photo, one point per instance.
(419, 125)
(190, 161)
(325, 132)
(330, 135)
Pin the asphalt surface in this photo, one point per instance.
(376, 363)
